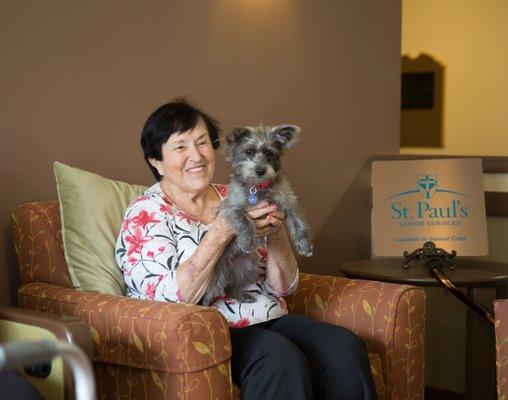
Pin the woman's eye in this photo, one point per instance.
(202, 143)
(179, 148)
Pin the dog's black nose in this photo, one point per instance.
(260, 171)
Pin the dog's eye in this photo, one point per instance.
(268, 153)
(250, 152)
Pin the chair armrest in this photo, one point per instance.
(137, 333)
(48, 298)
(389, 317)
(501, 328)
(155, 335)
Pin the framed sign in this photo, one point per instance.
(417, 201)
(422, 97)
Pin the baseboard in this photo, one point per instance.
(433, 393)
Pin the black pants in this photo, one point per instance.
(13, 385)
(293, 358)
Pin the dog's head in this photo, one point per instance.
(254, 152)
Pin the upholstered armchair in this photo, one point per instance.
(155, 350)
(501, 328)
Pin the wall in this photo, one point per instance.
(469, 38)
(79, 78)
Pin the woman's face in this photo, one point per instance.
(188, 160)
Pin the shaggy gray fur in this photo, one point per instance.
(254, 155)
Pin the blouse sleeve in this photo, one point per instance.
(147, 252)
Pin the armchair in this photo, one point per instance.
(146, 349)
(501, 328)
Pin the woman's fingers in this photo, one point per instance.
(277, 215)
(270, 224)
(262, 211)
(262, 223)
(273, 218)
(267, 219)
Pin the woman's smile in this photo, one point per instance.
(198, 169)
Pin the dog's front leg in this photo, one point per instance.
(299, 232)
(245, 239)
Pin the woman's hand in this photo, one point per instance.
(267, 219)
(224, 226)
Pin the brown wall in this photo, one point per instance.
(78, 80)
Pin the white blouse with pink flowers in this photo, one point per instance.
(156, 237)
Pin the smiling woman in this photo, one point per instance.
(179, 143)
(172, 239)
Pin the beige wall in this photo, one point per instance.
(469, 38)
(78, 80)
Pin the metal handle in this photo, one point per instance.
(17, 354)
(444, 281)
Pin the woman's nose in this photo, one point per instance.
(194, 153)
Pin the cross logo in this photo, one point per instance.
(427, 185)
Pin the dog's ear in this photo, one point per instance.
(284, 135)
(238, 134)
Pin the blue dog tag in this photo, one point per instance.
(253, 199)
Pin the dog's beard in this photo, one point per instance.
(246, 172)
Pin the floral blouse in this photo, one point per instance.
(156, 237)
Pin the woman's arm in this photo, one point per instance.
(194, 275)
(281, 266)
(147, 252)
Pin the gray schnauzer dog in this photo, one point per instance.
(254, 155)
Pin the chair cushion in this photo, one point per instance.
(91, 211)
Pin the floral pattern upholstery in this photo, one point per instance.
(389, 317)
(501, 328)
(156, 350)
(38, 243)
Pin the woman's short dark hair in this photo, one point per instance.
(177, 116)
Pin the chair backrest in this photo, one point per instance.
(37, 237)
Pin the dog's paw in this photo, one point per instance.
(245, 298)
(245, 249)
(241, 295)
(304, 248)
(206, 300)
(243, 245)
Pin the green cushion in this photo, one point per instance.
(91, 211)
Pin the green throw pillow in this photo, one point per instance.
(91, 211)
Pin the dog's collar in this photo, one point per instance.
(253, 199)
(263, 185)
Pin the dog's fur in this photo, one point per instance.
(254, 154)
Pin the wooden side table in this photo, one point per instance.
(484, 281)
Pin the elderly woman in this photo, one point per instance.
(173, 238)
